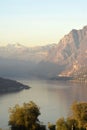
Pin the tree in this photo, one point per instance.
(80, 114)
(61, 124)
(25, 117)
(72, 123)
(51, 126)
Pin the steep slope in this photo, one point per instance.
(71, 51)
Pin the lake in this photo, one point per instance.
(53, 97)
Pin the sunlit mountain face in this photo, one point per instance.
(71, 52)
(68, 57)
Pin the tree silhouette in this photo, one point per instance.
(25, 117)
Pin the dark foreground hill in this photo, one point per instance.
(7, 85)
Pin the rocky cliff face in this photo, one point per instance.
(71, 51)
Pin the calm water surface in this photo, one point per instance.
(54, 99)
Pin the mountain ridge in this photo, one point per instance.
(72, 51)
(65, 58)
(20, 52)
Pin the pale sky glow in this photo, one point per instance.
(40, 22)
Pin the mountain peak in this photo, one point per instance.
(85, 27)
(70, 46)
(15, 45)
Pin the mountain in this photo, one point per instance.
(71, 47)
(67, 58)
(71, 51)
(81, 74)
(23, 53)
(7, 85)
(17, 60)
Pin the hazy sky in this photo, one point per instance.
(40, 22)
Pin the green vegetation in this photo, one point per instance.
(51, 126)
(78, 120)
(26, 118)
(80, 114)
(68, 124)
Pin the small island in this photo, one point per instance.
(8, 85)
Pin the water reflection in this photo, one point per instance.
(53, 97)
